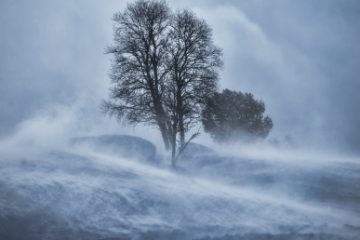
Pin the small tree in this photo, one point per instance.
(232, 115)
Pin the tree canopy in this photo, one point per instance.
(232, 115)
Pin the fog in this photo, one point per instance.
(57, 186)
(300, 58)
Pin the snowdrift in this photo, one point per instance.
(115, 187)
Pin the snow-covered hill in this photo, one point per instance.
(114, 187)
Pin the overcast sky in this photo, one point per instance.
(302, 58)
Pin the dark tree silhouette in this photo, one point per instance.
(194, 61)
(140, 65)
(164, 65)
(232, 115)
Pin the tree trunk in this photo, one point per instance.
(174, 131)
(181, 115)
(164, 134)
(173, 151)
(161, 121)
(181, 130)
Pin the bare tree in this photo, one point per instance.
(194, 61)
(140, 65)
(165, 65)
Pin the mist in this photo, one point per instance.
(70, 172)
(303, 68)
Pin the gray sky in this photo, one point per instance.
(301, 57)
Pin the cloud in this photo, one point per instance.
(256, 63)
(52, 53)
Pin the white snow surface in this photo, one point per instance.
(106, 194)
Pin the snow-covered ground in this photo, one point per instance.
(118, 187)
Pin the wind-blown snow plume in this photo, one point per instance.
(104, 187)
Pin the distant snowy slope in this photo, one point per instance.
(122, 145)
